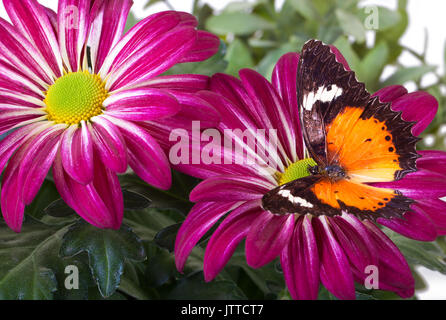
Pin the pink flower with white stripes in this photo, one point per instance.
(79, 96)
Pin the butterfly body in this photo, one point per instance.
(354, 138)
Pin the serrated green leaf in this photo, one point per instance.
(238, 23)
(238, 57)
(29, 262)
(107, 251)
(351, 25)
(405, 75)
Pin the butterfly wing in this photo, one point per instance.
(344, 125)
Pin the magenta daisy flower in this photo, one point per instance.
(313, 249)
(76, 93)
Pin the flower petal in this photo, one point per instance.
(206, 45)
(394, 272)
(415, 224)
(300, 262)
(100, 203)
(419, 185)
(390, 93)
(272, 110)
(145, 155)
(236, 188)
(335, 268)
(109, 143)
(420, 107)
(77, 153)
(190, 83)
(226, 238)
(284, 80)
(73, 25)
(199, 220)
(18, 51)
(432, 160)
(142, 104)
(267, 237)
(108, 20)
(32, 20)
(436, 210)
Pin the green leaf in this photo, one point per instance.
(166, 237)
(351, 25)
(306, 8)
(47, 194)
(107, 251)
(238, 23)
(58, 208)
(135, 201)
(427, 254)
(238, 57)
(373, 65)
(29, 262)
(405, 75)
(195, 288)
(266, 66)
(131, 21)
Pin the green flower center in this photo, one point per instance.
(296, 171)
(75, 97)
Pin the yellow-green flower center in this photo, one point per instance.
(75, 97)
(296, 170)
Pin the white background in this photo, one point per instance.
(423, 14)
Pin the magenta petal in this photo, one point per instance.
(228, 235)
(390, 93)
(32, 20)
(271, 109)
(12, 204)
(110, 144)
(415, 224)
(236, 188)
(432, 160)
(284, 80)
(205, 46)
(22, 54)
(142, 104)
(108, 20)
(153, 59)
(190, 83)
(419, 185)
(336, 274)
(267, 238)
(355, 241)
(300, 262)
(73, 25)
(420, 107)
(145, 155)
(394, 272)
(100, 203)
(37, 161)
(199, 220)
(436, 210)
(77, 153)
